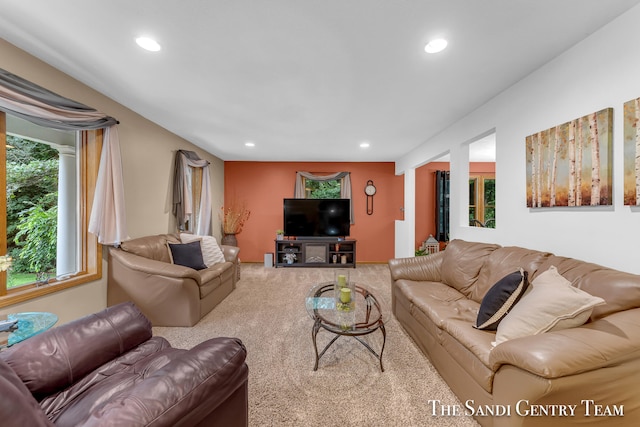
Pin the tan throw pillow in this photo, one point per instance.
(550, 304)
(211, 252)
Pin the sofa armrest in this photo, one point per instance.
(608, 341)
(420, 268)
(56, 358)
(230, 253)
(168, 294)
(152, 267)
(207, 374)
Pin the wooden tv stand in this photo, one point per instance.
(316, 253)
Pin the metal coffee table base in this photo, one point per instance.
(317, 326)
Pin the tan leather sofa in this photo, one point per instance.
(106, 369)
(140, 270)
(595, 367)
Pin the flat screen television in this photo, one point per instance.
(317, 217)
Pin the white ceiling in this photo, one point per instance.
(305, 80)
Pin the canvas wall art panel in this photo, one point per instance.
(632, 152)
(570, 164)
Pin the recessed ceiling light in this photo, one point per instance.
(148, 44)
(249, 144)
(364, 145)
(435, 46)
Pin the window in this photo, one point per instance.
(482, 181)
(194, 185)
(443, 203)
(32, 171)
(78, 255)
(482, 201)
(333, 186)
(322, 189)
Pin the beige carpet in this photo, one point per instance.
(267, 311)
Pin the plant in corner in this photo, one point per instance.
(279, 234)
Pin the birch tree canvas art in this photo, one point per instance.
(632, 152)
(570, 164)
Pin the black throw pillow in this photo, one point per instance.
(500, 299)
(187, 254)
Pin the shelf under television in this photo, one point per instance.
(316, 252)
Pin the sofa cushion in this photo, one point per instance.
(211, 252)
(435, 300)
(500, 299)
(184, 391)
(503, 261)
(187, 254)
(404, 307)
(620, 290)
(151, 247)
(71, 406)
(462, 263)
(550, 304)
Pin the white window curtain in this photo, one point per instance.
(36, 104)
(182, 203)
(108, 216)
(345, 187)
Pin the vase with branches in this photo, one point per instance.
(233, 218)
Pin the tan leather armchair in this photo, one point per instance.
(140, 270)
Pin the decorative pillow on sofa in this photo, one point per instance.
(500, 299)
(187, 254)
(211, 252)
(551, 304)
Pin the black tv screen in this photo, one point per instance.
(317, 217)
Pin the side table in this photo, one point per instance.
(28, 325)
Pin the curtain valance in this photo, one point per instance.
(38, 105)
(345, 189)
(21, 98)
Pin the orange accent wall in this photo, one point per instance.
(426, 194)
(263, 185)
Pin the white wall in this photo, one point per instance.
(600, 72)
(405, 230)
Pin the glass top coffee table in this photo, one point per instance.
(24, 325)
(363, 317)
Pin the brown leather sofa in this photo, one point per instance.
(595, 367)
(107, 369)
(140, 270)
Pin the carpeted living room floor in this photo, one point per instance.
(267, 312)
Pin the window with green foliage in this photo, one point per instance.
(322, 189)
(32, 209)
(47, 190)
(482, 201)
